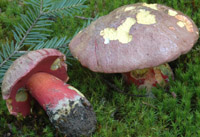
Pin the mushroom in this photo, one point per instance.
(42, 74)
(137, 40)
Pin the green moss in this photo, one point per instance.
(9, 16)
(117, 114)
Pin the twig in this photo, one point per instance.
(150, 105)
(84, 18)
(22, 52)
(121, 91)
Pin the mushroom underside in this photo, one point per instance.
(150, 77)
(22, 107)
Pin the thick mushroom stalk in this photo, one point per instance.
(66, 107)
(150, 77)
(44, 73)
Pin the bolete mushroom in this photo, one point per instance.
(136, 40)
(42, 74)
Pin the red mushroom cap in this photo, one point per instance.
(134, 37)
(44, 60)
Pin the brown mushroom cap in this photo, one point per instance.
(133, 37)
(44, 60)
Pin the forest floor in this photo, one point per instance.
(118, 115)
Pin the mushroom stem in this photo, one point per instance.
(66, 107)
(150, 77)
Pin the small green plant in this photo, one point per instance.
(34, 30)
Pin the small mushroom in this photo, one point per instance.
(136, 40)
(42, 74)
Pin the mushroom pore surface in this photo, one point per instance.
(19, 72)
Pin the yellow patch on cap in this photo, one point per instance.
(184, 21)
(159, 78)
(152, 6)
(129, 8)
(121, 33)
(172, 12)
(72, 88)
(117, 17)
(56, 64)
(80, 31)
(144, 17)
(180, 24)
(139, 73)
(21, 95)
(171, 28)
(9, 104)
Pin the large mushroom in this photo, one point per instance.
(137, 40)
(42, 74)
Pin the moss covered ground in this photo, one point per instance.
(118, 115)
